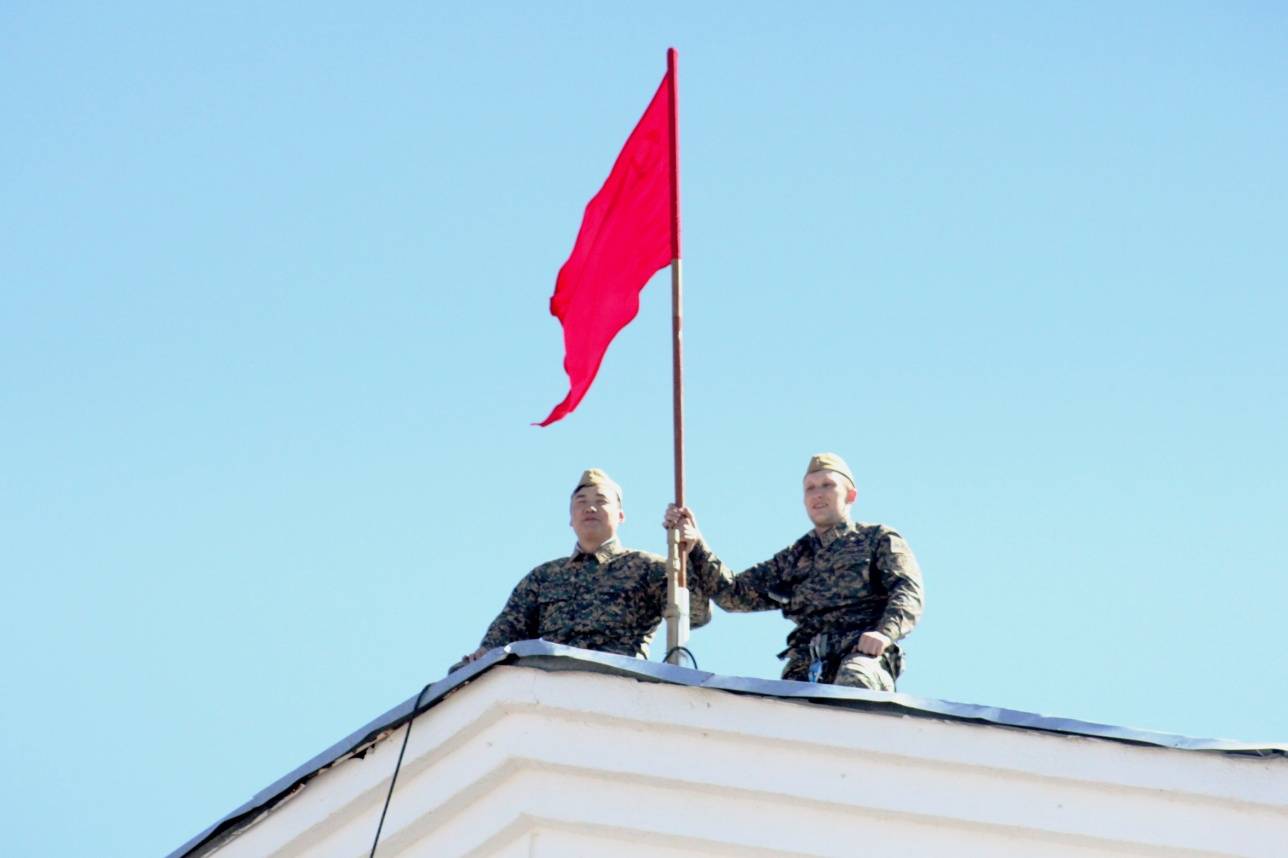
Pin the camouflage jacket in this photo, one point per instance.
(609, 600)
(855, 578)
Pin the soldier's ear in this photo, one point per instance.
(852, 495)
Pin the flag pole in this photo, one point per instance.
(677, 593)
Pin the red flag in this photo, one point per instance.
(629, 232)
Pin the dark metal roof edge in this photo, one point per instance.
(555, 657)
(431, 695)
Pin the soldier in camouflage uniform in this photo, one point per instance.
(852, 589)
(602, 596)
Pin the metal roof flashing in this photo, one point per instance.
(541, 655)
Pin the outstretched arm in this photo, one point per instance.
(746, 591)
(516, 622)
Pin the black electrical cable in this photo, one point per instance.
(683, 649)
(393, 780)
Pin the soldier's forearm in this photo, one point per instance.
(502, 632)
(898, 620)
(736, 593)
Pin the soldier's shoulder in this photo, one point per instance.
(634, 555)
(878, 533)
(550, 567)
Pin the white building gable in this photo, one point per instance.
(561, 755)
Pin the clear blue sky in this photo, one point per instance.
(273, 326)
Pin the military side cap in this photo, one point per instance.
(596, 477)
(830, 462)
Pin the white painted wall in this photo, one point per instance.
(525, 763)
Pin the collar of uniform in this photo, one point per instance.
(830, 535)
(603, 553)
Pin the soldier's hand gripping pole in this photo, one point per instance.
(677, 598)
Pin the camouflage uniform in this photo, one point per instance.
(609, 600)
(853, 579)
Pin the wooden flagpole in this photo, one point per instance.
(677, 593)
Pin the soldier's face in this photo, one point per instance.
(596, 515)
(828, 496)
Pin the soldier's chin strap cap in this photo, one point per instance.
(596, 477)
(829, 462)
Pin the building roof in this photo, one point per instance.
(540, 655)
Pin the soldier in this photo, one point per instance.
(852, 589)
(602, 596)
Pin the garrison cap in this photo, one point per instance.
(829, 462)
(596, 477)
